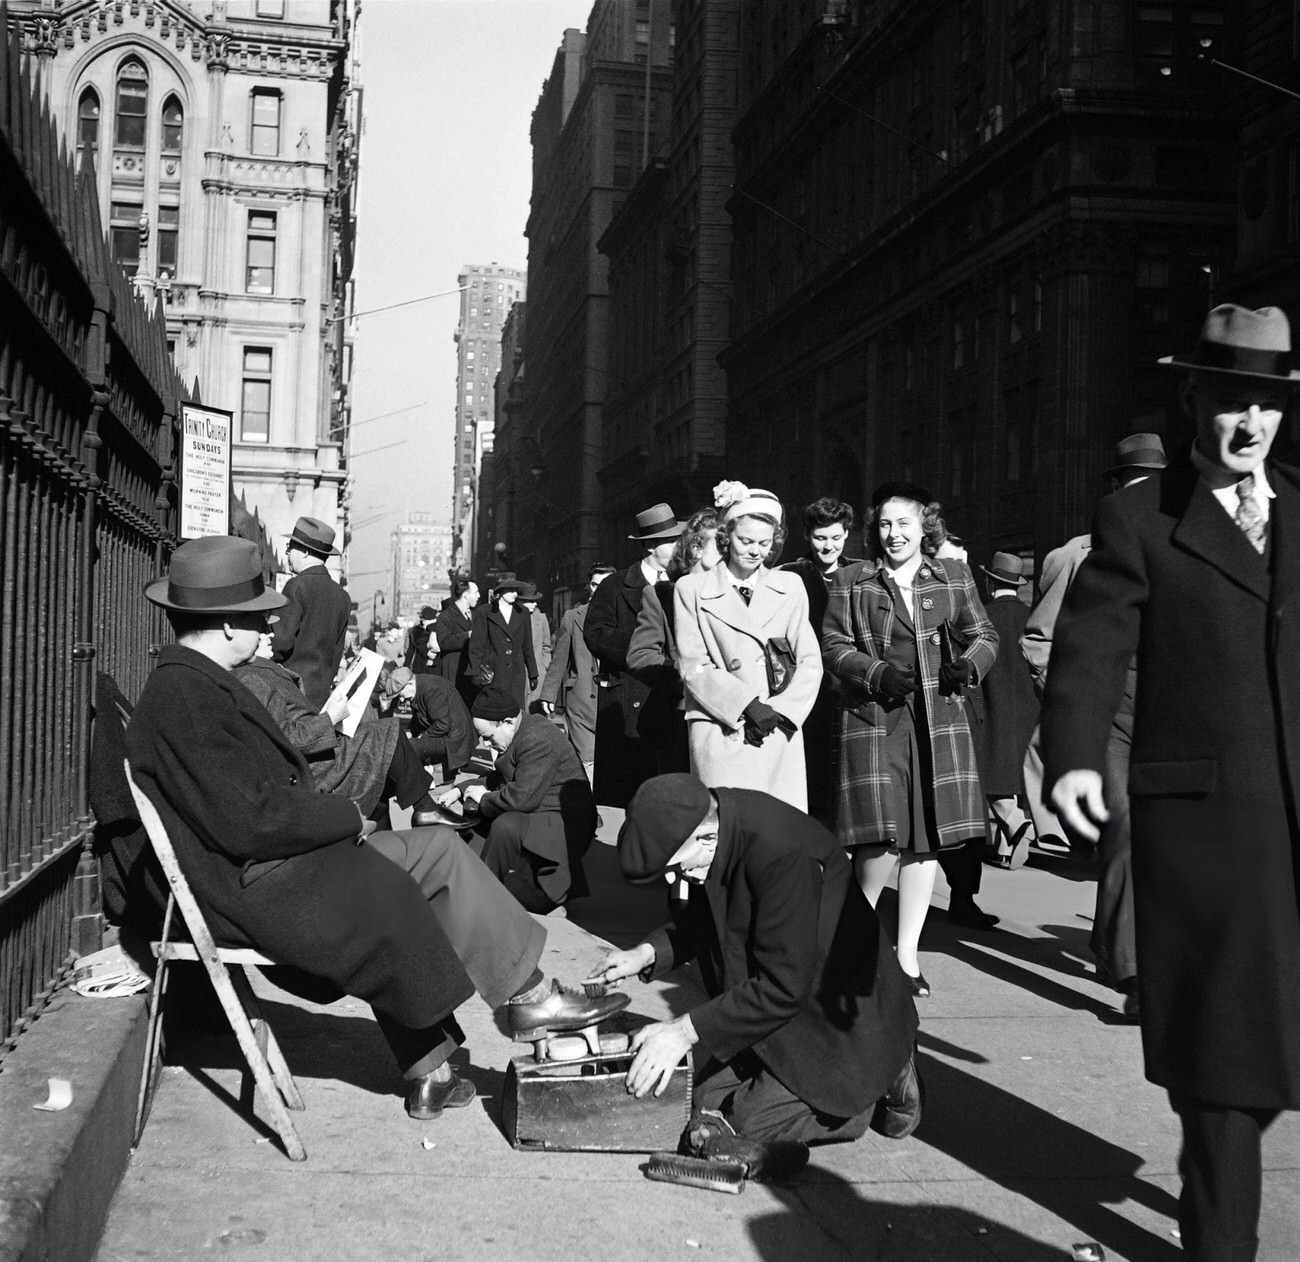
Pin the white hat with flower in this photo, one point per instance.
(735, 499)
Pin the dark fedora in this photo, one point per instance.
(218, 574)
(1137, 451)
(1006, 568)
(1243, 342)
(509, 585)
(314, 535)
(659, 522)
(900, 491)
(527, 591)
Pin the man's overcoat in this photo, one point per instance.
(452, 630)
(1010, 706)
(1214, 775)
(570, 683)
(723, 662)
(797, 966)
(856, 633)
(273, 863)
(313, 627)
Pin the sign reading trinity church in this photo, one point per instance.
(205, 471)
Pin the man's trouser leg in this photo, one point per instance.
(761, 1108)
(1046, 823)
(497, 942)
(407, 780)
(1218, 1211)
(1114, 939)
(504, 856)
(963, 866)
(420, 1052)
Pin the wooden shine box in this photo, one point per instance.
(583, 1106)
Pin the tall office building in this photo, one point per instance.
(488, 293)
(421, 559)
(224, 139)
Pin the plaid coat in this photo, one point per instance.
(856, 633)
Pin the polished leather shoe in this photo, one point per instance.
(437, 815)
(970, 917)
(920, 987)
(898, 1111)
(561, 1010)
(427, 1097)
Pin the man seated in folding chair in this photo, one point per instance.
(411, 922)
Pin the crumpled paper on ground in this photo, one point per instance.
(108, 974)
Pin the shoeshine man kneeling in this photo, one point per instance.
(809, 1030)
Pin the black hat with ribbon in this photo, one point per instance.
(900, 491)
(217, 574)
(1137, 451)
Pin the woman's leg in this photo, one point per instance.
(873, 868)
(915, 886)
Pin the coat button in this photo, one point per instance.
(927, 603)
(925, 573)
(934, 639)
(734, 664)
(293, 779)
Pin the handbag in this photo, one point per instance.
(780, 660)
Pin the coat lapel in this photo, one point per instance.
(1206, 531)
(720, 598)
(771, 598)
(1284, 534)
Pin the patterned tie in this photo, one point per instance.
(1249, 515)
(745, 593)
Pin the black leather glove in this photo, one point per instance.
(896, 683)
(760, 722)
(954, 676)
(486, 675)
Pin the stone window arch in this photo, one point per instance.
(131, 114)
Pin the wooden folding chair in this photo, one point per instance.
(227, 968)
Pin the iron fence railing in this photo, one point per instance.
(88, 399)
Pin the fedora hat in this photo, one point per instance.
(509, 585)
(1243, 342)
(314, 535)
(1137, 451)
(528, 591)
(1006, 568)
(217, 574)
(659, 522)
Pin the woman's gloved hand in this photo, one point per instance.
(760, 721)
(896, 682)
(955, 676)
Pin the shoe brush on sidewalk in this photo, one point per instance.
(696, 1172)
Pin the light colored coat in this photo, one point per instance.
(541, 625)
(570, 683)
(720, 647)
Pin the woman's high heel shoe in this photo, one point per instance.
(920, 987)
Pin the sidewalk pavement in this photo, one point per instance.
(1039, 1133)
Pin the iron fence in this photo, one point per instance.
(88, 400)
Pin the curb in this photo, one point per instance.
(59, 1171)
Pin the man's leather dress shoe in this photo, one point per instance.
(427, 1097)
(968, 916)
(560, 1011)
(898, 1111)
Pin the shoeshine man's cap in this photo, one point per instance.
(662, 814)
(217, 574)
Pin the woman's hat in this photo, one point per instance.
(509, 585)
(1243, 342)
(659, 522)
(663, 812)
(314, 535)
(217, 574)
(1137, 451)
(900, 491)
(527, 591)
(1006, 568)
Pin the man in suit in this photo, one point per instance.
(537, 804)
(808, 1031)
(411, 922)
(1194, 570)
(570, 683)
(624, 756)
(452, 631)
(312, 629)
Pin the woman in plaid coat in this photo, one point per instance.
(907, 635)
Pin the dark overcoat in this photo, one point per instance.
(352, 765)
(453, 629)
(504, 648)
(857, 630)
(652, 658)
(312, 630)
(570, 682)
(1215, 770)
(625, 752)
(797, 966)
(273, 862)
(1010, 705)
(437, 710)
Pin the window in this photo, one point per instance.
(173, 118)
(88, 125)
(270, 8)
(264, 137)
(255, 409)
(259, 273)
(958, 342)
(124, 227)
(132, 104)
(1015, 314)
(169, 223)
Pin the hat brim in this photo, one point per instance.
(1004, 578)
(669, 532)
(1174, 361)
(1145, 465)
(311, 547)
(156, 594)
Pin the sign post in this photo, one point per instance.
(205, 471)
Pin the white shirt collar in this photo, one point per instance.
(650, 571)
(1227, 495)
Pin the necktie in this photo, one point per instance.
(1249, 515)
(662, 576)
(745, 593)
